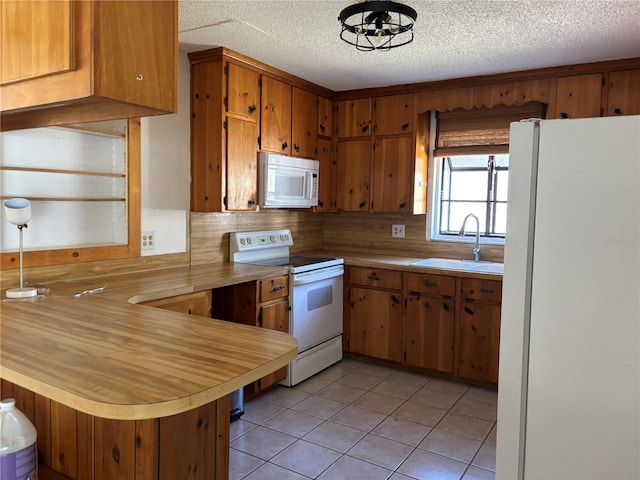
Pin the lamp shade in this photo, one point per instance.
(18, 210)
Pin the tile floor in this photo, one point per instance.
(358, 421)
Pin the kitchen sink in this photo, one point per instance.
(462, 265)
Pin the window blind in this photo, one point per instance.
(480, 130)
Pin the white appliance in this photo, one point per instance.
(315, 297)
(569, 382)
(288, 182)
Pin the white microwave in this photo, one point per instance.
(288, 182)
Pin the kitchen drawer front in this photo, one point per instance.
(482, 290)
(276, 287)
(375, 277)
(436, 285)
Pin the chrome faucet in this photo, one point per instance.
(476, 248)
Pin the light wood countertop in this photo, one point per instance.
(103, 355)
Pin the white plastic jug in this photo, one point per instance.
(18, 455)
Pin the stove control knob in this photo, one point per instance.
(249, 241)
(281, 237)
(243, 241)
(272, 238)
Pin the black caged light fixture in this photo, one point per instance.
(377, 25)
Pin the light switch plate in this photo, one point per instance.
(148, 240)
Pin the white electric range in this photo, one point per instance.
(315, 297)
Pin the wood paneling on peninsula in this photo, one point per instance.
(210, 231)
(372, 234)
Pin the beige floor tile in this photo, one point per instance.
(349, 468)
(483, 394)
(375, 370)
(311, 385)
(306, 458)
(293, 423)
(256, 411)
(338, 370)
(335, 436)
(361, 380)
(404, 431)
(378, 402)
(262, 442)
(464, 425)
(269, 471)
(341, 392)
(435, 398)
(360, 418)
(451, 445)
(476, 408)
(491, 438)
(486, 457)
(417, 412)
(318, 407)
(475, 473)
(241, 464)
(410, 378)
(399, 476)
(284, 396)
(381, 451)
(240, 427)
(396, 389)
(448, 386)
(429, 466)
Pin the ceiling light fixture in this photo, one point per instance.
(377, 25)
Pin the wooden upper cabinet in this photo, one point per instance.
(327, 177)
(325, 117)
(275, 129)
(578, 96)
(113, 59)
(243, 91)
(304, 136)
(354, 118)
(624, 93)
(393, 114)
(242, 165)
(353, 166)
(392, 174)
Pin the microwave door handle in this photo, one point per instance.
(309, 185)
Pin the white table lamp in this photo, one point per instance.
(18, 212)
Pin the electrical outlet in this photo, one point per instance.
(148, 240)
(397, 231)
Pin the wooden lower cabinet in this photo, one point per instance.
(74, 445)
(479, 341)
(197, 303)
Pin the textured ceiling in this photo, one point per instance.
(453, 38)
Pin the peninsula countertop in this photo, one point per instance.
(106, 356)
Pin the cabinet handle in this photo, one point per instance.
(363, 204)
(365, 128)
(277, 288)
(564, 115)
(403, 204)
(405, 126)
(468, 311)
(252, 202)
(395, 300)
(285, 145)
(430, 284)
(373, 277)
(252, 108)
(617, 110)
(446, 307)
(322, 128)
(487, 290)
(296, 147)
(320, 203)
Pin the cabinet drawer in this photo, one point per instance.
(374, 277)
(436, 285)
(483, 290)
(271, 288)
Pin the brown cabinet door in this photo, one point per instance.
(304, 129)
(275, 129)
(624, 93)
(375, 323)
(327, 179)
(375, 277)
(479, 341)
(354, 118)
(273, 288)
(353, 167)
(243, 91)
(242, 164)
(578, 96)
(325, 117)
(429, 333)
(274, 316)
(393, 114)
(392, 174)
(198, 303)
(433, 285)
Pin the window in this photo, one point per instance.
(471, 170)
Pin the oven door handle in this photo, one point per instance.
(317, 275)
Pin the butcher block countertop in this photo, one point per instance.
(102, 354)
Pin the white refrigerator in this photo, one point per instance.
(569, 381)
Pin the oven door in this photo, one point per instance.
(316, 306)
